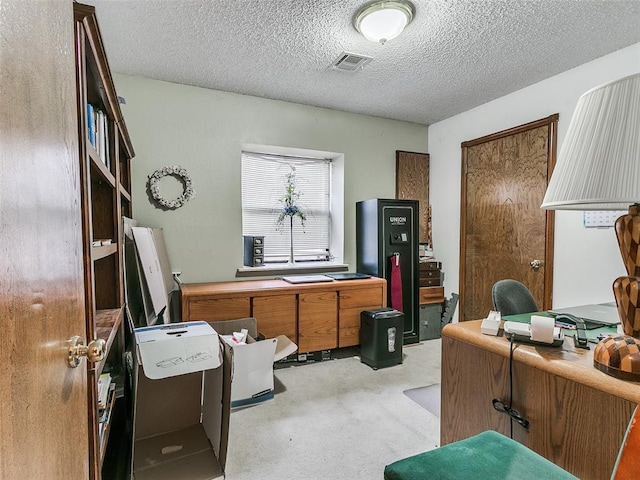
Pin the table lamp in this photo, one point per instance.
(598, 168)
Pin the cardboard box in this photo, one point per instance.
(181, 416)
(252, 362)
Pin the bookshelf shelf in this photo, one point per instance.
(125, 194)
(100, 167)
(103, 251)
(108, 323)
(105, 426)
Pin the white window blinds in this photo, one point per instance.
(264, 181)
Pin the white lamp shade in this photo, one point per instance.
(598, 167)
(383, 20)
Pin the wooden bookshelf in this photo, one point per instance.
(105, 185)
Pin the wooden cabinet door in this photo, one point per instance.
(212, 309)
(43, 417)
(317, 321)
(276, 315)
(352, 303)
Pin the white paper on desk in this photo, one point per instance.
(542, 329)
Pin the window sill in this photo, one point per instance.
(284, 269)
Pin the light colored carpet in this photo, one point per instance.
(337, 419)
(427, 397)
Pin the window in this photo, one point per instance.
(264, 180)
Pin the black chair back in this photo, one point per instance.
(510, 297)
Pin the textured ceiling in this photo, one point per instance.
(455, 55)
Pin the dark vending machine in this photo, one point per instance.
(387, 247)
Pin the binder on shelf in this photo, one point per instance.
(91, 126)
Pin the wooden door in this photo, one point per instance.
(412, 183)
(276, 315)
(43, 402)
(317, 321)
(502, 228)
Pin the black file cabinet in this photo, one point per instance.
(381, 337)
(253, 251)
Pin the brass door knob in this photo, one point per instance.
(94, 352)
(535, 264)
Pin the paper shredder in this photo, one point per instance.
(381, 337)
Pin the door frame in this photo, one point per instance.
(552, 122)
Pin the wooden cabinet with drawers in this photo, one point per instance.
(430, 273)
(317, 316)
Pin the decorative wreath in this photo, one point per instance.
(176, 171)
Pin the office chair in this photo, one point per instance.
(511, 297)
(493, 456)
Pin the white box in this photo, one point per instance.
(252, 362)
(178, 348)
(181, 416)
(251, 371)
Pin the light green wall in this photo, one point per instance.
(203, 130)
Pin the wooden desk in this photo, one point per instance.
(317, 316)
(578, 415)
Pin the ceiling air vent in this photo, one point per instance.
(350, 62)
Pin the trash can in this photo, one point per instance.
(381, 337)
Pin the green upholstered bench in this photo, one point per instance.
(489, 455)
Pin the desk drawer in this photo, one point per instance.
(430, 265)
(431, 295)
(219, 309)
(430, 282)
(362, 297)
(429, 274)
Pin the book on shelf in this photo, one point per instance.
(105, 412)
(91, 126)
(98, 132)
(104, 384)
(101, 242)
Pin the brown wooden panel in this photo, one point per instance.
(43, 417)
(557, 390)
(471, 379)
(562, 426)
(107, 284)
(218, 309)
(431, 295)
(503, 229)
(361, 297)
(349, 325)
(317, 321)
(412, 183)
(260, 288)
(276, 315)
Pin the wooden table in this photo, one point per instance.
(316, 316)
(578, 415)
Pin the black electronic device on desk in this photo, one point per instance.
(580, 340)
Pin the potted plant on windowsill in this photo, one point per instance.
(290, 209)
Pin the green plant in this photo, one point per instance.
(290, 200)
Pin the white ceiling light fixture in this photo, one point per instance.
(383, 20)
